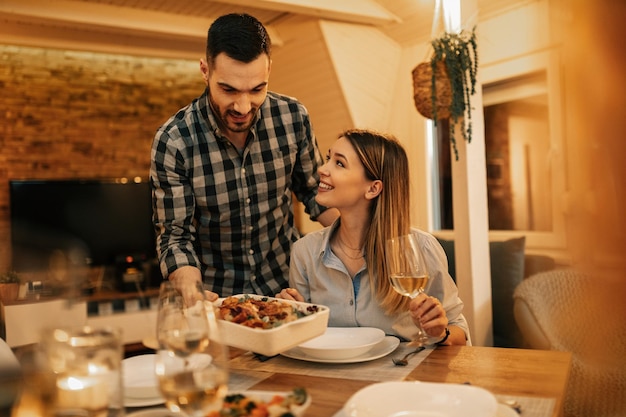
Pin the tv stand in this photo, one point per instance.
(133, 312)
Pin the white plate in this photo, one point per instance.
(501, 411)
(343, 342)
(153, 412)
(139, 377)
(421, 399)
(383, 348)
(142, 402)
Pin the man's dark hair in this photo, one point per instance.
(240, 36)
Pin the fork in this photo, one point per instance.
(509, 402)
(404, 361)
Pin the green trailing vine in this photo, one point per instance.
(459, 52)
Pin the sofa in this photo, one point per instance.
(510, 264)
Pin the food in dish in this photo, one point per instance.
(311, 322)
(264, 312)
(343, 342)
(264, 404)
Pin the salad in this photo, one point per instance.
(290, 404)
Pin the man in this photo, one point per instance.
(224, 169)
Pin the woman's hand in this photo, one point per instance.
(429, 312)
(290, 294)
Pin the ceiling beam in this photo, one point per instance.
(44, 34)
(67, 23)
(103, 15)
(354, 11)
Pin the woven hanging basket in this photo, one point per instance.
(422, 90)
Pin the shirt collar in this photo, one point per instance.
(325, 246)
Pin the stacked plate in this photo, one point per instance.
(345, 345)
(141, 388)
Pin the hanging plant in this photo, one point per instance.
(443, 86)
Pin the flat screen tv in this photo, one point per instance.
(96, 221)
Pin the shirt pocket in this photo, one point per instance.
(275, 179)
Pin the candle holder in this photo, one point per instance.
(86, 366)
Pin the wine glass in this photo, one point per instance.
(408, 273)
(191, 363)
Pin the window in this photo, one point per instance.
(523, 152)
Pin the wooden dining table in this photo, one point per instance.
(515, 373)
(537, 378)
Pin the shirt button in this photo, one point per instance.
(248, 200)
(251, 251)
(351, 302)
(251, 228)
(253, 278)
(243, 170)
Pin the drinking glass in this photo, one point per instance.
(79, 372)
(407, 272)
(191, 362)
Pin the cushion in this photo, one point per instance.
(507, 271)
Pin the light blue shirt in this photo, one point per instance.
(320, 276)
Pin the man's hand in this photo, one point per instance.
(185, 280)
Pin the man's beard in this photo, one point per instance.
(222, 118)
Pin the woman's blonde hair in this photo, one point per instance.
(384, 159)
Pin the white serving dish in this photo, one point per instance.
(415, 398)
(343, 342)
(271, 342)
(139, 378)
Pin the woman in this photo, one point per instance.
(366, 177)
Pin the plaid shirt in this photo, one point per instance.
(231, 215)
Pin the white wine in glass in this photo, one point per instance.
(407, 272)
(409, 285)
(191, 364)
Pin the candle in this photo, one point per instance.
(85, 363)
(82, 392)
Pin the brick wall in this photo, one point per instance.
(66, 114)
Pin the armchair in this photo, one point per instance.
(567, 310)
